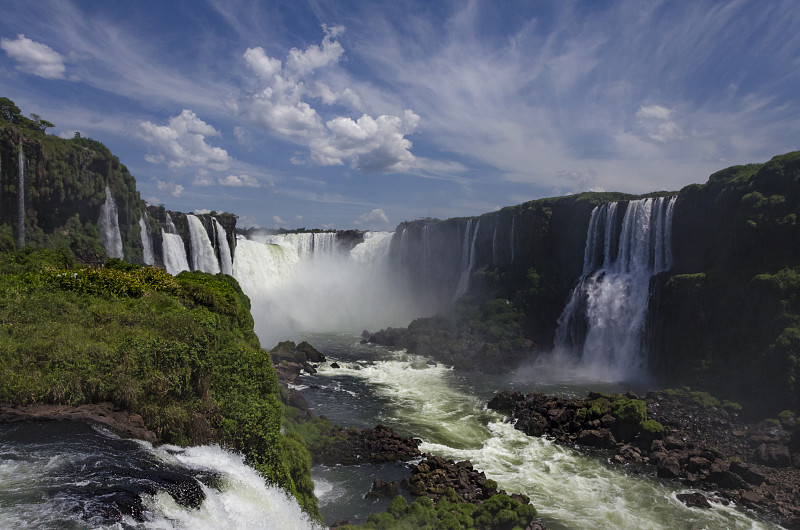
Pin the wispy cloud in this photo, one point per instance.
(34, 57)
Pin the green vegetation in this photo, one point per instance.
(500, 512)
(179, 351)
(631, 414)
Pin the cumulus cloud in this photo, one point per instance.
(176, 190)
(201, 211)
(238, 181)
(278, 221)
(376, 218)
(34, 57)
(283, 105)
(182, 142)
(658, 124)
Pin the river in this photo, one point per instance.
(446, 409)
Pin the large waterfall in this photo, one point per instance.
(203, 256)
(108, 225)
(603, 322)
(304, 282)
(147, 243)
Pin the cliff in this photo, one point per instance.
(727, 317)
(64, 183)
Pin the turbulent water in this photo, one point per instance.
(446, 409)
(174, 253)
(302, 282)
(69, 475)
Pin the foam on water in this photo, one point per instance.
(570, 488)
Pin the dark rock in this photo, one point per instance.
(694, 500)
(773, 455)
(728, 480)
(381, 488)
(505, 401)
(747, 473)
(335, 365)
(669, 468)
(597, 438)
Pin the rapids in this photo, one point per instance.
(446, 409)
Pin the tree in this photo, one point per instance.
(41, 124)
(9, 111)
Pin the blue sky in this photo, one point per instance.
(365, 114)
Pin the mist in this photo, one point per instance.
(301, 283)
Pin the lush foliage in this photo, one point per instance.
(631, 414)
(500, 512)
(179, 351)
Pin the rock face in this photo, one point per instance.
(434, 475)
(120, 422)
(376, 445)
(701, 445)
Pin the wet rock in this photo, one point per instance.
(335, 365)
(694, 500)
(381, 488)
(601, 438)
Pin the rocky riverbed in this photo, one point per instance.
(755, 465)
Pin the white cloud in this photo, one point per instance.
(283, 105)
(278, 221)
(182, 142)
(176, 190)
(657, 123)
(374, 219)
(153, 201)
(238, 181)
(34, 57)
(202, 211)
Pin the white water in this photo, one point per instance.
(21, 198)
(170, 225)
(174, 253)
(147, 243)
(203, 256)
(467, 258)
(300, 282)
(570, 489)
(243, 501)
(603, 323)
(108, 225)
(52, 481)
(225, 260)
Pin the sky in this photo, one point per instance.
(330, 114)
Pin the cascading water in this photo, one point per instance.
(21, 199)
(174, 253)
(170, 225)
(295, 289)
(603, 322)
(225, 260)
(108, 225)
(467, 258)
(203, 256)
(147, 243)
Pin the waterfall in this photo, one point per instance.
(494, 246)
(467, 258)
(174, 253)
(21, 199)
(170, 225)
(147, 243)
(225, 260)
(511, 237)
(108, 225)
(299, 283)
(604, 319)
(203, 256)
